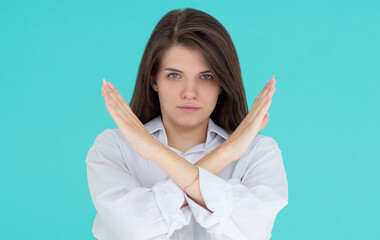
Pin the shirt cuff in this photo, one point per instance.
(218, 196)
(170, 197)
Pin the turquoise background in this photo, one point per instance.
(325, 55)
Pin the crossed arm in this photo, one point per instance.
(242, 209)
(245, 210)
(183, 172)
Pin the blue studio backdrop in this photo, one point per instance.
(324, 54)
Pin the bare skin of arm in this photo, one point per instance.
(178, 168)
(183, 172)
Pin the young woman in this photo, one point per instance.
(186, 161)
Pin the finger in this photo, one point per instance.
(261, 100)
(261, 118)
(114, 104)
(115, 114)
(107, 89)
(268, 92)
(117, 98)
(264, 100)
(113, 107)
(258, 112)
(266, 88)
(109, 106)
(269, 82)
(264, 109)
(106, 97)
(120, 97)
(268, 85)
(110, 99)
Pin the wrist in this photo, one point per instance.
(216, 160)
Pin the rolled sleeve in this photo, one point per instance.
(125, 209)
(170, 197)
(244, 208)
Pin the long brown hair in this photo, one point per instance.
(197, 30)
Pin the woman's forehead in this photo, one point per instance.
(184, 59)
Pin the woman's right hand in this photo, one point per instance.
(239, 141)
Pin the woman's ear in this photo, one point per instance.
(220, 90)
(153, 83)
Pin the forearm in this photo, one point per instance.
(212, 163)
(216, 160)
(183, 172)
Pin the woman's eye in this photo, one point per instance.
(209, 76)
(172, 74)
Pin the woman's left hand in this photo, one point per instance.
(130, 126)
(243, 136)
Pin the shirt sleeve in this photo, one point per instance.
(125, 209)
(244, 208)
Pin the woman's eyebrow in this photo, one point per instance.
(176, 70)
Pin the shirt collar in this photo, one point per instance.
(156, 124)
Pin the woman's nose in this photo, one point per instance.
(190, 89)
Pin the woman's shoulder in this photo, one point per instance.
(260, 146)
(264, 150)
(112, 137)
(107, 135)
(263, 141)
(112, 140)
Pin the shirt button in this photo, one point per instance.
(183, 231)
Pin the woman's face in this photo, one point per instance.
(184, 79)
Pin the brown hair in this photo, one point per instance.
(197, 30)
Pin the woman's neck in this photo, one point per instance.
(185, 139)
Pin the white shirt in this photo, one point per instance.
(136, 199)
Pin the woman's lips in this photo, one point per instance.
(189, 109)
